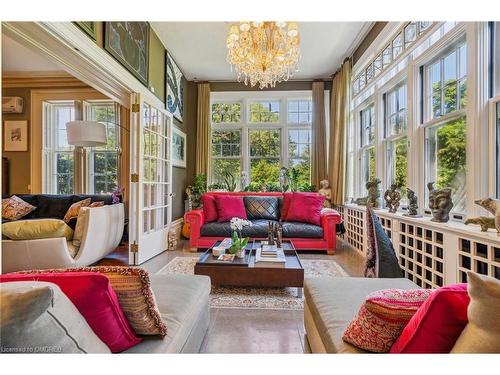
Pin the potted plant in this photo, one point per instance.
(238, 243)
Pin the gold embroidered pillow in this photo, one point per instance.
(97, 204)
(14, 208)
(133, 289)
(74, 209)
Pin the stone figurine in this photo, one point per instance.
(484, 222)
(392, 198)
(373, 195)
(440, 203)
(244, 180)
(326, 191)
(412, 203)
(493, 207)
(172, 239)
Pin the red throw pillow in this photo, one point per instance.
(209, 208)
(287, 199)
(229, 206)
(95, 299)
(306, 208)
(437, 324)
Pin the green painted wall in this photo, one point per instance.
(156, 66)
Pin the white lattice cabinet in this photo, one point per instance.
(430, 254)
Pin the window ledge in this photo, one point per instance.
(451, 226)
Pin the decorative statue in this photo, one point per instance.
(189, 194)
(282, 178)
(270, 233)
(412, 203)
(263, 188)
(373, 195)
(440, 203)
(172, 239)
(244, 180)
(392, 198)
(492, 206)
(326, 191)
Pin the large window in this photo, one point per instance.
(445, 124)
(226, 154)
(367, 125)
(264, 156)
(59, 158)
(396, 139)
(260, 136)
(58, 155)
(103, 160)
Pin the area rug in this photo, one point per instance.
(258, 298)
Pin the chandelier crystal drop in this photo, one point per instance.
(263, 52)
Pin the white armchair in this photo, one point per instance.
(101, 235)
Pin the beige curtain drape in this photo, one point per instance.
(203, 129)
(339, 118)
(318, 134)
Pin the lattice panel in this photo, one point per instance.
(355, 228)
(387, 224)
(421, 255)
(477, 256)
(341, 211)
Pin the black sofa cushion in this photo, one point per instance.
(258, 229)
(257, 208)
(301, 230)
(55, 206)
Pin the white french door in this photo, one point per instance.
(151, 180)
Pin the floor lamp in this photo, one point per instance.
(82, 134)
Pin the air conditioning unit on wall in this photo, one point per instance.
(12, 104)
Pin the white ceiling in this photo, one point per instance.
(199, 48)
(16, 57)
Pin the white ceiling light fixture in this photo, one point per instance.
(264, 53)
(86, 133)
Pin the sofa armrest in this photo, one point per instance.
(329, 220)
(195, 219)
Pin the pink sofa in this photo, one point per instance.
(329, 221)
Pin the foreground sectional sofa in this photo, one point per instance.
(37, 316)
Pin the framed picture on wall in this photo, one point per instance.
(178, 148)
(128, 43)
(15, 135)
(175, 89)
(88, 27)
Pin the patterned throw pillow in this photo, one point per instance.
(14, 208)
(382, 318)
(381, 260)
(74, 209)
(133, 289)
(97, 204)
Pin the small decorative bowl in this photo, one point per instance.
(218, 251)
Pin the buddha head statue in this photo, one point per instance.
(440, 203)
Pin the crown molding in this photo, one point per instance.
(49, 79)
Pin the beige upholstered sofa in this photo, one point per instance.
(183, 301)
(332, 302)
(102, 233)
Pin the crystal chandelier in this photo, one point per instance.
(263, 52)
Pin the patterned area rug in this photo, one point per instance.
(258, 298)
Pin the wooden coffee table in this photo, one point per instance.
(243, 272)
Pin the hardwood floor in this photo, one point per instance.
(119, 257)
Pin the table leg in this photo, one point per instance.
(299, 292)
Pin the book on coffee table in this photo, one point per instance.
(278, 260)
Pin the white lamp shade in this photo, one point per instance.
(86, 133)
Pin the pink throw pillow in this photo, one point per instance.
(287, 199)
(229, 206)
(95, 299)
(382, 317)
(438, 323)
(209, 208)
(306, 208)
